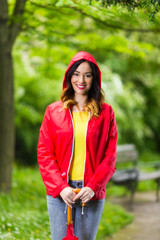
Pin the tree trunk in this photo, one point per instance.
(6, 117)
(9, 30)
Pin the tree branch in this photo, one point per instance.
(123, 28)
(48, 6)
(156, 30)
(16, 20)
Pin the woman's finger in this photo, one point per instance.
(86, 198)
(67, 195)
(85, 192)
(67, 203)
(79, 195)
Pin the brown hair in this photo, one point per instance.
(95, 95)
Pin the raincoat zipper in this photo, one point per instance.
(72, 148)
(72, 155)
(85, 149)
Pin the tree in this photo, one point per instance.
(9, 30)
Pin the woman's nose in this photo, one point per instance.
(82, 79)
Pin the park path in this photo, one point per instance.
(146, 224)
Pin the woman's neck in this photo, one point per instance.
(81, 100)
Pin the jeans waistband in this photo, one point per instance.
(75, 184)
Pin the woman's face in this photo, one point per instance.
(82, 79)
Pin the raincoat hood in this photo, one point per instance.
(79, 56)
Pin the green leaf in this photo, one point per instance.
(62, 3)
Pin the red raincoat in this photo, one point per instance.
(56, 145)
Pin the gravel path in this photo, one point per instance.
(146, 225)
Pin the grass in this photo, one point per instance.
(24, 215)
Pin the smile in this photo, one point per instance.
(81, 86)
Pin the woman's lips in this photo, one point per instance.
(80, 86)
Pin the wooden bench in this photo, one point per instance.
(129, 172)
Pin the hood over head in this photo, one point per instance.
(79, 56)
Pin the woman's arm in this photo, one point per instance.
(48, 165)
(106, 168)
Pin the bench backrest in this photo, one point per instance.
(127, 153)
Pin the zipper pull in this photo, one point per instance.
(65, 210)
(83, 204)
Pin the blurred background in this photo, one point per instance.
(124, 38)
(129, 61)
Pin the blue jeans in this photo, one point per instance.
(85, 226)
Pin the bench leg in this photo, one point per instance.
(132, 199)
(158, 187)
(133, 188)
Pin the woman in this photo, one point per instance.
(77, 149)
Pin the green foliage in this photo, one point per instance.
(35, 88)
(23, 213)
(55, 30)
(149, 162)
(61, 3)
(151, 7)
(149, 157)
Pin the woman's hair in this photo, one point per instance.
(95, 95)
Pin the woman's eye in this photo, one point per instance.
(75, 74)
(88, 75)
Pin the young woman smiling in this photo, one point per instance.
(77, 149)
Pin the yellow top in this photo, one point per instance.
(80, 121)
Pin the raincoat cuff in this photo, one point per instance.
(56, 192)
(94, 186)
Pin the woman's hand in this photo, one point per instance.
(85, 194)
(67, 194)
